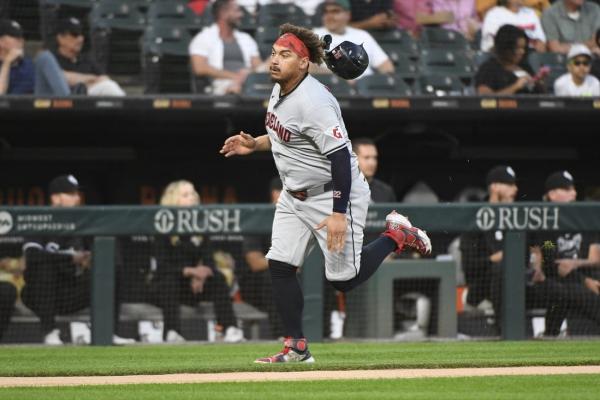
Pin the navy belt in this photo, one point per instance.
(306, 193)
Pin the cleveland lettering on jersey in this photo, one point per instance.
(272, 122)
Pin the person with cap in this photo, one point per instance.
(482, 251)
(336, 17)
(567, 22)
(578, 82)
(325, 198)
(568, 282)
(19, 74)
(222, 53)
(57, 273)
(83, 74)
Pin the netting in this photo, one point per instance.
(175, 288)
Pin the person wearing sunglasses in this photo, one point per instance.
(578, 81)
(83, 74)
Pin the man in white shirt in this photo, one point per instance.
(578, 82)
(223, 53)
(336, 17)
(513, 13)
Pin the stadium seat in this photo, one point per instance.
(117, 27)
(555, 61)
(441, 85)
(165, 59)
(398, 44)
(379, 85)
(258, 86)
(265, 36)
(176, 13)
(407, 70)
(277, 14)
(479, 57)
(440, 38)
(447, 62)
(337, 85)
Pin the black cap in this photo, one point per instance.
(69, 25)
(64, 184)
(10, 28)
(559, 180)
(501, 174)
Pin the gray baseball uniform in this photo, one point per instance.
(304, 127)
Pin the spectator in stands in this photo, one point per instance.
(578, 81)
(413, 14)
(336, 16)
(83, 74)
(464, 16)
(512, 12)
(255, 280)
(507, 71)
(19, 74)
(367, 155)
(571, 21)
(483, 6)
(57, 273)
(482, 252)
(184, 275)
(596, 59)
(11, 277)
(222, 53)
(372, 14)
(569, 281)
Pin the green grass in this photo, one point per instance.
(580, 387)
(72, 360)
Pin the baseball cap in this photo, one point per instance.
(64, 184)
(69, 25)
(501, 174)
(579, 50)
(345, 4)
(559, 180)
(10, 28)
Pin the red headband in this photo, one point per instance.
(291, 41)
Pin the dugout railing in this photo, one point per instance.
(106, 223)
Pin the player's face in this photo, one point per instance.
(187, 196)
(66, 199)
(561, 195)
(335, 18)
(286, 65)
(367, 159)
(504, 192)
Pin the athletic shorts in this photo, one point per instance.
(294, 234)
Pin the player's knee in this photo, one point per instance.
(281, 270)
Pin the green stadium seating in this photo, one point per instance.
(379, 85)
(440, 38)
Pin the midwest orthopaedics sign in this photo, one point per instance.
(197, 221)
(524, 218)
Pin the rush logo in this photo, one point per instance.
(272, 123)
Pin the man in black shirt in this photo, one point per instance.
(568, 283)
(57, 273)
(366, 152)
(80, 69)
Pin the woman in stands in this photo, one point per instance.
(186, 277)
(507, 72)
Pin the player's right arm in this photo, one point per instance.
(243, 144)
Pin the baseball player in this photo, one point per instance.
(325, 197)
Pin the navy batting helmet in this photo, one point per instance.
(347, 60)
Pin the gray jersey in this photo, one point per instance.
(304, 127)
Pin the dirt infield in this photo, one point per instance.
(292, 376)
